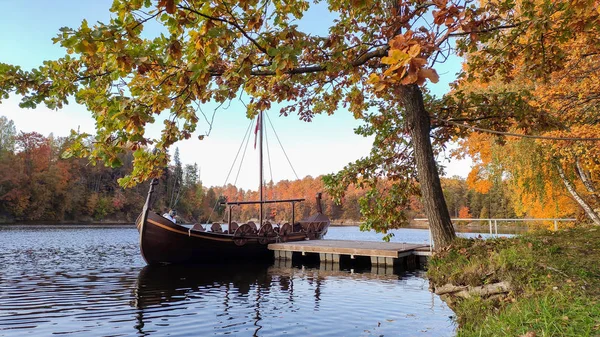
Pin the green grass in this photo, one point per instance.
(547, 314)
(555, 279)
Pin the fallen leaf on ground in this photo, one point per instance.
(529, 334)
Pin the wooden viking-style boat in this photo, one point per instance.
(163, 242)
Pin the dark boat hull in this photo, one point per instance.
(162, 241)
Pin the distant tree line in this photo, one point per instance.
(36, 184)
(466, 202)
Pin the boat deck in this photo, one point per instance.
(387, 253)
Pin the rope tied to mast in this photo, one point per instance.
(246, 139)
(281, 145)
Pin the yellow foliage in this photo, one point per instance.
(477, 182)
(553, 66)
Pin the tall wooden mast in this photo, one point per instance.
(260, 186)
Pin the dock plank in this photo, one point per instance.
(348, 247)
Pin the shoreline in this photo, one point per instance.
(538, 284)
(68, 223)
(413, 225)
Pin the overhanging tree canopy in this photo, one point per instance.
(373, 61)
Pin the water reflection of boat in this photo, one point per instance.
(162, 284)
(162, 241)
(160, 288)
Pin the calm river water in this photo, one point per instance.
(91, 281)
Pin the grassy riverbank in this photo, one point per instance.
(553, 278)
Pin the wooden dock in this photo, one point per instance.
(380, 253)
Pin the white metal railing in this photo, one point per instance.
(495, 223)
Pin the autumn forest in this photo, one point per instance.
(37, 184)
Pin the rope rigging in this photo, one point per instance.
(268, 155)
(246, 135)
(272, 197)
(246, 140)
(276, 136)
(242, 160)
(238, 152)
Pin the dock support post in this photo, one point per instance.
(330, 258)
(380, 260)
(282, 263)
(329, 266)
(555, 225)
(496, 227)
(490, 223)
(283, 255)
(382, 265)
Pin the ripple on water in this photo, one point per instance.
(92, 282)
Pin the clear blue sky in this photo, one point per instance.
(323, 146)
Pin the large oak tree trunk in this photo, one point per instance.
(434, 203)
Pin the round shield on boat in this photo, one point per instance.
(233, 227)
(265, 233)
(311, 230)
(252, 225)
(284, 231)
(216, 228)
(240, 237)
(198, 227)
